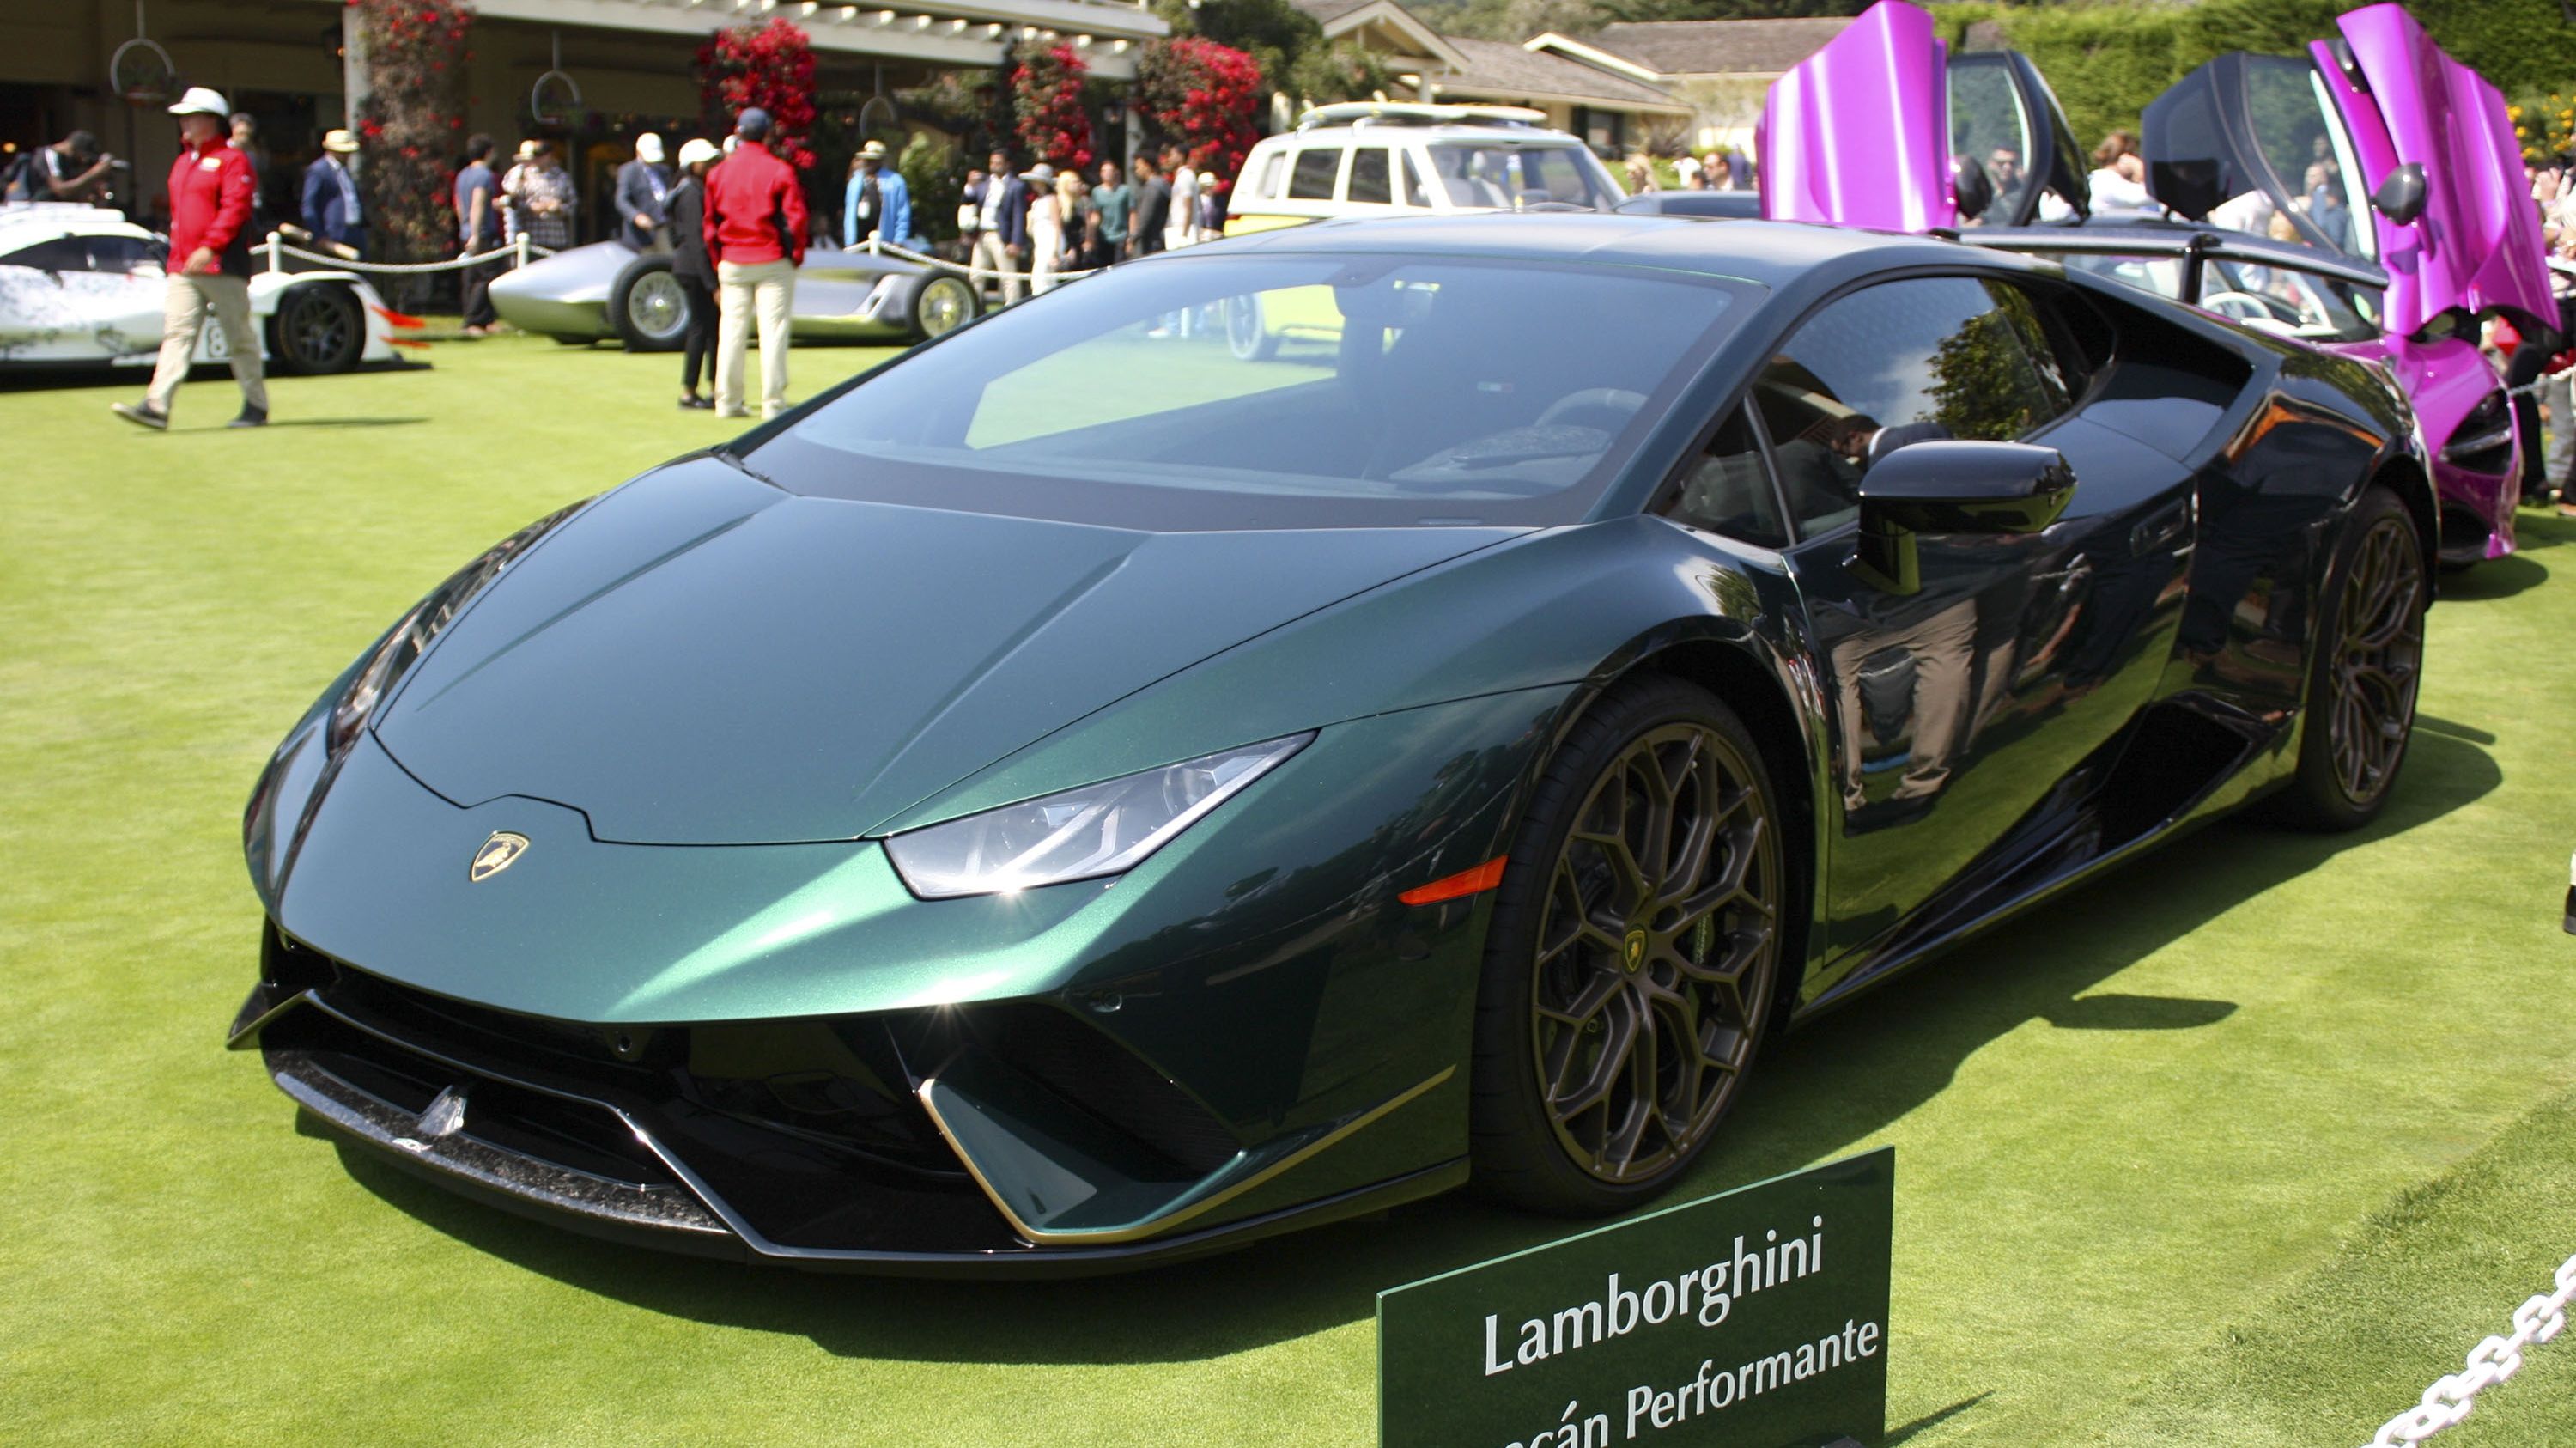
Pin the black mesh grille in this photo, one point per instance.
(1095, 1073)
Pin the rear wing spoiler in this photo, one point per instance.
(2194, 249)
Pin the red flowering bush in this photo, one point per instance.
(415, 57)
(1203, 96)
(1046, 106)
(770, 66)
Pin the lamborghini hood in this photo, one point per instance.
(701, 658)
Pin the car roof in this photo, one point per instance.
(22, 223)
(1767, 253)
(1438, 131)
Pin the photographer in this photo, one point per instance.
(71, 169)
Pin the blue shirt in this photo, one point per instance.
(894, 221)
(478, 177)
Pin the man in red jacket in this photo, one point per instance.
(211, 188)
(756, 236)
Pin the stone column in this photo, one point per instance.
(353, 67)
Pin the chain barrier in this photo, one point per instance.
(2449, 1400)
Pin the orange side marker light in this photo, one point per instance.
(1466, 882)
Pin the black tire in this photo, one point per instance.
(2367, 668)
(317, 327)
(943, 303)
(1696, 956)
(647, 307)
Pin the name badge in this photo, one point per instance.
(211, 163)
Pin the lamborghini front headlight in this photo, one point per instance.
(1097, 830)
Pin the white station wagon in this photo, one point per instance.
(1384, 158)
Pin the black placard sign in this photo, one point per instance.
(1756, 1318)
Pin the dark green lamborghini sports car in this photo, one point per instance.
(1080, 795)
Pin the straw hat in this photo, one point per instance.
(1039, 174)
(339, 142)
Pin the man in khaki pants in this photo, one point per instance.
(211, 189)
(755, 234)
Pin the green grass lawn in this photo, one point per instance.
(2243, 1146)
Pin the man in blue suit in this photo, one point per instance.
(1001, 202)
(331, 209)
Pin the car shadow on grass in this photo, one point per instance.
(2497, 578)
(1806, 1104)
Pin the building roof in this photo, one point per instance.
(1500, 70)
(1396, 26)
(1716, 47)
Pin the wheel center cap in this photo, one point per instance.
(1633, 950)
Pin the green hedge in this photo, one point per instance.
(2106, 60)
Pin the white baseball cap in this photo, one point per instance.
(201, 101)
(648, 149)
(696, 149)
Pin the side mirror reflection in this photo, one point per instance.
(1938, 485)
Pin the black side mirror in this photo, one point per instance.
(2400, 196)
(1971, 187)
(1940, 486)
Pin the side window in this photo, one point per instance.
(1414, 194)
(1268, 185)
(1944, 352)
(1369, 179)
(1312, 179)
(1728, 491)
(62, 253)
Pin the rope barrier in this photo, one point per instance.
(519, 252)
(879, 247)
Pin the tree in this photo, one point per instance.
(1286, 43)
(1046, 102)
(415, 57)
(1202, 97)
(770, 66)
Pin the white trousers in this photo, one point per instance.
(183, 315)
(991, 255)
(745, 289)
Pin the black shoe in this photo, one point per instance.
(698, 403)
(142, 414)
(250, 417)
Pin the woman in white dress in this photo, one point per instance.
(1046, 227)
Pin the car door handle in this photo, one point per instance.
(2161, 530)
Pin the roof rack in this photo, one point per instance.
(1417, 113)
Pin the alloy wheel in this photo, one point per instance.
(1655, 947)
(2377, 660)
(946, 304)
(657, 306)
(316, 329)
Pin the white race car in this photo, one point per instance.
(81, 285)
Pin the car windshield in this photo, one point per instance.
(1267, 391)
(1510, 177)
